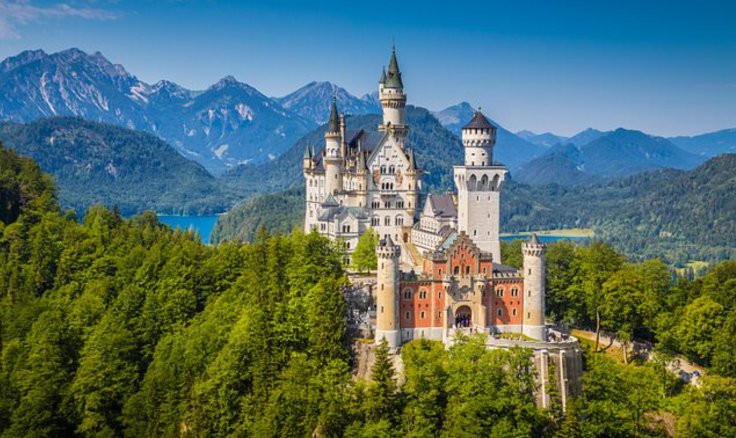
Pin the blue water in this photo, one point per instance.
(546, 238)
(202, 224)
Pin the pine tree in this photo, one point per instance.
(382, 400)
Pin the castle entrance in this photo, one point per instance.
(463, 317)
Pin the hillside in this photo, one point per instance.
(614, 154)
(710, 144)
(227, 124)
(278, 212)
(674, 214)
(434, 146)
(95, 162)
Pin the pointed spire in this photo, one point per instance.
(383, 76)
(334, 124)
(393, 78)
(412, 160)
(361, 162)
(307, 153)
(534, 240)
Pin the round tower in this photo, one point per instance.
(333, 158)
(387, 294)
(534, 289)
(479, 137)
(392, 97)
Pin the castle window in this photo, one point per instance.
(421, 315)
(440, 272)
(529, 293)
(422, 294)
(381, 309)
(387, 204)
(347, 245)
(528, 315)
(439, 315)
(407, 294)
(499, 292)
(376, 204)
(456, 271)
(399, 204)
(383, 169)
(375, 221)
(407, 315)
(387, 220)
(399, 220)
(391, 169)
(513, 312)
(439, 295)
(514, 292)
(499, 312)
(530, 271)
(484, 271)
(467, 270)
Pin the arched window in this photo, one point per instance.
(375, 221)
(456, 271)
(499, 312)
(399, 220)
(514, 292)
(499, 292)
(422, 294)
(383, 169)
(387, 220)
(421, 315)
(467, 270)
(513, 312)
(407, 294)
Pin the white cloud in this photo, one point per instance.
(19, 12)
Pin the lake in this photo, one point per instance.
(545, 238)
(201, 224)
(205, 224)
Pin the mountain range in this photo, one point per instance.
(313, 101)
(613, 154)
(227, 124)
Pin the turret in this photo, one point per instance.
(392, 97)
(534, 289)
(387, 295)
(479, 183)
(479, 137)
(333, 159)
(307, 163)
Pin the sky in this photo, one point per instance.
(663, 67)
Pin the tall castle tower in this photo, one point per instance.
(387, 295)
(393, 101)
(333, 158)
(479, 183)
(534, 289)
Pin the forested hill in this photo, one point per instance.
(678, 215)
(673, 214)
(95, 162)
(435, 147)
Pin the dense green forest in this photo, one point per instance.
(115, 327)
(94, 162)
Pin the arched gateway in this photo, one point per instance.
(463, 317)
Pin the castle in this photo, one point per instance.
(365, 180)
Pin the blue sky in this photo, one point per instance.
(664, 67)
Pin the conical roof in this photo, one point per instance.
(334, 124)
(478, 121)
(412, 160)
(383, 76)
(534, 240)
(393, 78)
(307, 153)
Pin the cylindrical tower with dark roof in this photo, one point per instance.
(392, 97)
(333, 158)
